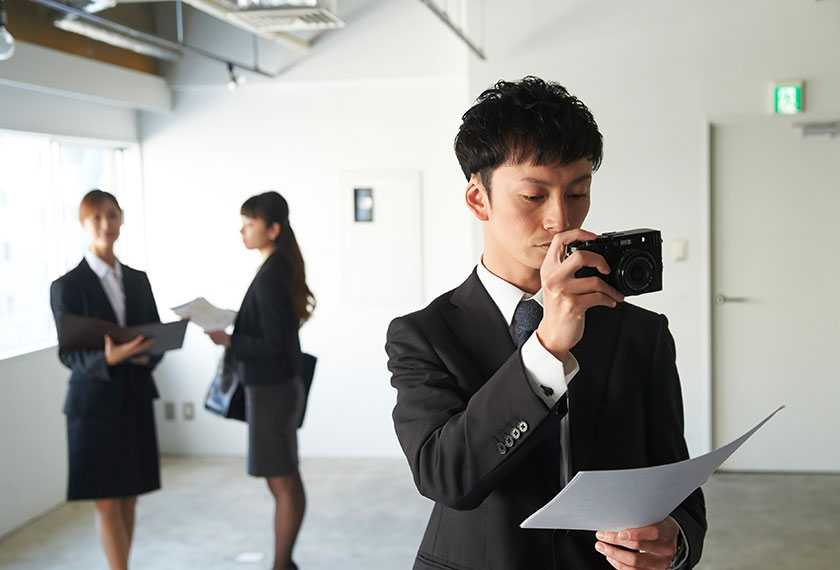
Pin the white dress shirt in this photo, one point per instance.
(111, 279)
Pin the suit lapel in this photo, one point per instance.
(594, 353)
(91, 283)
(476, 322)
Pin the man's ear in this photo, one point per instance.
(477, 199)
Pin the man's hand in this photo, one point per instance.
(565, 297)
(116, 353)
(651, 546)
(220, 337)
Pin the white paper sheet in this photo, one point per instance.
(630, 498)
(205, 314)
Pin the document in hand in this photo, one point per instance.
(630, 498)
(75, 331)
(206, 315)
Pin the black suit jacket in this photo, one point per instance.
(95, 388)
(461, 388)
(265, 336)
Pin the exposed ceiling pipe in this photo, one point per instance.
(99, 33)
(459, 31)
(150, 38)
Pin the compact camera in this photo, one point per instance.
(634, 257)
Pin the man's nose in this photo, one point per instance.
(554, 215)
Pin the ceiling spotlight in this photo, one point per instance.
(235, 79)
(7, 42)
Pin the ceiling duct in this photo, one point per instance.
(287, 19)
(274, 19)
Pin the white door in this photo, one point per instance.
(776, 283)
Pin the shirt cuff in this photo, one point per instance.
(547, 375)
(681, 556)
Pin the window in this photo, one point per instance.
(43, 181)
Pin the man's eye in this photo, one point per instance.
(579, 196)
(531, 198)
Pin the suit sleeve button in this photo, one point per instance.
(515, 433)
(523, 426)
(508, 441)
(501, 447)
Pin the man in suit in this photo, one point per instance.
(524, 374)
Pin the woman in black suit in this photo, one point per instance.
(265, 342)
(112, 445)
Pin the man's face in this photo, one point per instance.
(527, 206)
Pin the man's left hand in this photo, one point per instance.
(650, 546)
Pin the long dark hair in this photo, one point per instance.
(272, 207)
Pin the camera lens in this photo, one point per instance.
(635, 271)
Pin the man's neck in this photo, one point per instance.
(525, 278)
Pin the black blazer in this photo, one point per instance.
(265, 335)
(461, 388)
(95, 388)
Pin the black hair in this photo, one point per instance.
(526, 120)
(271, 207)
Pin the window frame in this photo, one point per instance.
(129, 190)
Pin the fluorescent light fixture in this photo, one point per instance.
(101, 34)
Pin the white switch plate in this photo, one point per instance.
(679, 249)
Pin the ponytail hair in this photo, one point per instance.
(272, 207)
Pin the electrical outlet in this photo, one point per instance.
(189, 411)
(169, 410)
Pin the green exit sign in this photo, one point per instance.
(787, 98)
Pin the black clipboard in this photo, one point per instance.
(88, 333)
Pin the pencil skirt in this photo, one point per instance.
(112, 457)
(273, 412)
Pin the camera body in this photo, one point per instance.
(634, 257)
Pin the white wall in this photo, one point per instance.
(302, 135)
(33, 478)
(655, 73)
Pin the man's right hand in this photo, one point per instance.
(116, 353)
(566, 297)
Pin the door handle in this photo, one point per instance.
(721, 299)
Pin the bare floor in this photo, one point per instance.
(366, 514)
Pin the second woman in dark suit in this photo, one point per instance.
(265, 341)
(112, 445)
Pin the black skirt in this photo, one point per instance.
(111, 457)
(273, 413)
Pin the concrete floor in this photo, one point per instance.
(365, 513)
